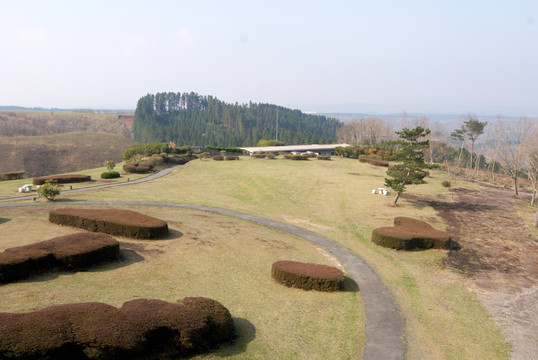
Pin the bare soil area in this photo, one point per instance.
(499, 256)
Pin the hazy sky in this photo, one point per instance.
(326, 56)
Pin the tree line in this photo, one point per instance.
(193, 119)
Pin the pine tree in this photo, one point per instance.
(409, 151)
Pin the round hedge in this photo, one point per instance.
(111, 221)
(110, 175)
(137, 168)
(408, 234)
(69, 252)
(140, 329)
(308, 276)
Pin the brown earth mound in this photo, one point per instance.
(63, 179)
(111, 221)
(70, 252)
(140, 329)
(409, 234)
(308, 276)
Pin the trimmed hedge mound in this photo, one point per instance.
(373, 161)
(110, 175)
(308, 276)
(62, 179)
(111, 221)
(140, 329)
(409, 234)
(70, 252)
(296, 157)
(137, 168)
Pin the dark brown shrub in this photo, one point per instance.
(70, 252)
(111, 221)
(409, 234)
(308, 276)
(137, 168)
(373, 161)
(296, 157)
(231, 157)
(218, 157)
(62, 179)
(324, 157)
(446, 184)
(140, 329)
(179, 159)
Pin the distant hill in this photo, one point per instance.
(193, 119)
(60, 153)
(49, 122)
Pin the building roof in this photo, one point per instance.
(292, 148)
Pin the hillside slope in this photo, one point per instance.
(60, 153)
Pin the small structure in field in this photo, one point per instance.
(26, 188)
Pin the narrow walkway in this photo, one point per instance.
(385, 325)
(154, 176)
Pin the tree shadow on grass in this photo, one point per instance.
(172, 235)
(245, 333)
(125, 258)
(4, 220)
(350, 285)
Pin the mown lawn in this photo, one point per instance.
(444, 319)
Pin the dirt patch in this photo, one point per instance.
(499, 257)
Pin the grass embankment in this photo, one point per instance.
(208, 255)
(333, 198)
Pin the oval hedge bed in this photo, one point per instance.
(139, 329)
(308, 276)
(374, 161)
(408, 234)
(125, 223)
(62, 179)
(138, 168)
(70, 252)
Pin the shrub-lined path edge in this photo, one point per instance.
(385, 325)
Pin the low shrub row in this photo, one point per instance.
(296, 157)
(110, 175)
(308, 276)
(409, 234)
(179, 159)
(70, 252)
(125, 223)
(269, 156)
(373, 161)
(138, 168)
(62, 179)
(323, 157)
(12, 175)
(139, 329)
(218, 157)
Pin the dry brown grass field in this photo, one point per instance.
(444, 318)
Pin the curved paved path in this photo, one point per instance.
(385, 325)
(153, 176)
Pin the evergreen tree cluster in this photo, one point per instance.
(192, 119)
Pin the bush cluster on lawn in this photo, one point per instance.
(139, 329)
(409, 234)
(446, 184)
(296, 157)
(324, 157)
(111, 221)
(179, 159)
(137, 168)
(218, 157)
(70, 252)
(377, 161)
(269, 156)
(12, 175)
(62, 179)
(110, 175)
(231, 157)
(308, 276)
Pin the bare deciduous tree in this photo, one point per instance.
(365, 130)
(511, 140)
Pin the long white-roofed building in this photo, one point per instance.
(314, 148)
